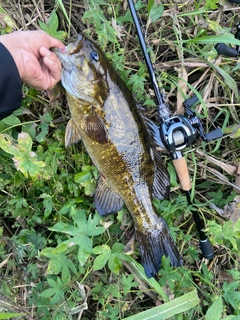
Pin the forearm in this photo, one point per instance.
(10, 84)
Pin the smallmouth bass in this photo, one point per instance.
(105, 116)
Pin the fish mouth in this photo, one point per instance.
(72, 84)
(76, 47)
(66, 55)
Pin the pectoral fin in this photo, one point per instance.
(161, 182)
(106, 201)
(72, 134)
(95, 128)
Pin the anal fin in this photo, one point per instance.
(105, 200)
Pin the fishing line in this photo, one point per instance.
(178, 132)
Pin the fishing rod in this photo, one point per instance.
(234, 1)
(178, 132)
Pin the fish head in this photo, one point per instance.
(83, 72)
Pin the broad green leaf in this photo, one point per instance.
(65, 228)
(55, 265)
(79, 217)
(155, 12)
(53, 23)
(128, 283)
(29, 167)
(48, 252)
(236, 229)
(118, 247)
(101, 249)
(8, 24)
(114, 264)
(89, 187)
(48, 204)
(82, 176)
(101, 260)
(169, 309)
(7, 144)
(85, 249)
(51, 27)
(25, 142)
(52, 283)
(44, 127)
(11, 120)
(228, 233)
(62, 247)
(24, 159)
(66, 275)
(215, 311)
(93, 228)
(212, 4)
(42, 25)
(48, 292)
(150, 5)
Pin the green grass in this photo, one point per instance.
(58, 259)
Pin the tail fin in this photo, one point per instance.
(154, 244)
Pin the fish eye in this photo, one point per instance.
(94, 55)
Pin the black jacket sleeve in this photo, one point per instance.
(10, 84)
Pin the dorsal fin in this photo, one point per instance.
(161, 183)
(153, 131)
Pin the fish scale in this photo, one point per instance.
(105, 116)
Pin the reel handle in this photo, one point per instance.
(225, 50)
(214, 134)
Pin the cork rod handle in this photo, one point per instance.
(182, 172)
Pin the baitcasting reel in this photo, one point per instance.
(179, 132)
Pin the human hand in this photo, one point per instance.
(37, 65)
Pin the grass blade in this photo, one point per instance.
(138, 270)
(169, 309)
(226, 38)
(227, 78)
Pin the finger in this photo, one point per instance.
(53, 70)
(44, 52)
(52, 62)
